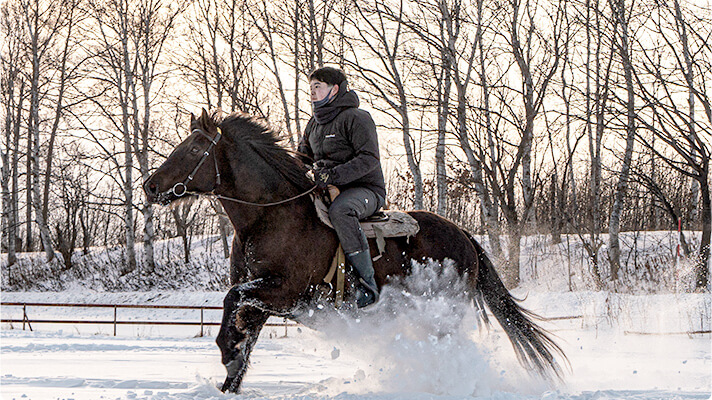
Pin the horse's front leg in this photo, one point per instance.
(241, 325)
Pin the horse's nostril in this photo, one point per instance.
(152, 188)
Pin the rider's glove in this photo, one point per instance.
(323, 177)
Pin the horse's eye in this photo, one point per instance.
(194, 150)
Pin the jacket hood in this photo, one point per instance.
(345, 98)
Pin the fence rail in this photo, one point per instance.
(26, 321)
(115, 321)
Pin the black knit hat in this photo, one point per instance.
(328, 75)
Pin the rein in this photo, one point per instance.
(213, 142)
(276, 203)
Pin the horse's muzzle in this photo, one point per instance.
(151, 190)
(154, 196)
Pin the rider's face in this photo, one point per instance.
(319, 90)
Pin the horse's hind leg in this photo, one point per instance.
(241, 325)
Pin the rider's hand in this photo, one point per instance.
(323, 177)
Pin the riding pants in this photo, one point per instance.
(352, 205)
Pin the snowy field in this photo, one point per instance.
(619, 347)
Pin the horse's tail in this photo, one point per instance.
(532, 344)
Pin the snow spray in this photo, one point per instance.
(417, 338)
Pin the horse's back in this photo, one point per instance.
(438, 239)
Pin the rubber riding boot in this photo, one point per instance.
(368, 292)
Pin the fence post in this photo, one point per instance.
(25, 318)
(114, 320)
(201, 321)
(285, 327)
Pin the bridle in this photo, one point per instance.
(176, 189)
(213, 142)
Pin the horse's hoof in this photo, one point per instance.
(229, 385)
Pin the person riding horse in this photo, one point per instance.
(341, 140)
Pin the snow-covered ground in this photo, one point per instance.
(629, 345)
(373, 358)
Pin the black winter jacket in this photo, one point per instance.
(345, 141)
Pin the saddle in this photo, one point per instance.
(382, 224)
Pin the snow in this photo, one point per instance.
(630, 344)
(407, 356)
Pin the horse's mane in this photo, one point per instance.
(266, 142)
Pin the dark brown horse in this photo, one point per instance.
(281, 251)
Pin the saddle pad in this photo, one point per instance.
(398, 224)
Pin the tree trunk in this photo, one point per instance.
(143, 159)
(444, 87)
(180, 215)
(29, 243)
(9, 166)
(440, 167)
(14, 216)
(490, 206)
(297, 77)
(413, 164)
(57, 115)
(614, 251)
(511, 273)
(130, 236)
(703, 265)
(35, 161)
(5, 175)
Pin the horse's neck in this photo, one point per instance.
(242, 184)
(260, 183)
(262, 227)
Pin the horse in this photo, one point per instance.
(281, 250)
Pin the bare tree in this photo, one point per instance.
(184, 218)
(265, 24)
(12, 98)
(537, 57)
(71, 179)
(116, 71)
(44, 22)
(489, 203)
(679, 129)
(155, 22)
(384, 40)
(221, 59)
(73, 18)
(622, 45)
(432, 23)
(597, 67)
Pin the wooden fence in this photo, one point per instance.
(27, 321)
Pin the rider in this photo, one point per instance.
(342, 140)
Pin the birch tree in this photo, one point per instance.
(12, 100)
(44, 21)
(622, 46)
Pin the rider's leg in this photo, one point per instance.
(345, 212)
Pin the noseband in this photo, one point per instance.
(180, 188)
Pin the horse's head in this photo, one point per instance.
(191, 168)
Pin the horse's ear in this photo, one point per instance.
(193, 119)
(205, 119)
